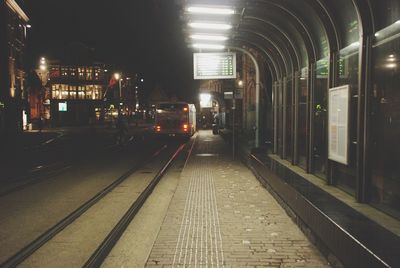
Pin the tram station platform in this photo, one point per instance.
(221, 216)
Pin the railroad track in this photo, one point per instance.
(111, 239)
(43, 172)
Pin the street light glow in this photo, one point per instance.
(210, 26)
(209, 37)
(208, 46)
(211, 10)
(117, 76)
(142, 80)
(205, 100)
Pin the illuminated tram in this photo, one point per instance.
(175, 118)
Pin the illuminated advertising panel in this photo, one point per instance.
(214, 65)
(338, 123)
(62, 107)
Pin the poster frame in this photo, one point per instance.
(344, 92)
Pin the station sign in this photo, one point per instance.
(214, 65)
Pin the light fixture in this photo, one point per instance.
(116, 76)
(28, 26)
(208, 46)
(391, 65)
(209, 37)
(211, 10)
(397, 22)
(210, 26)
(205, 100)
(240, 83)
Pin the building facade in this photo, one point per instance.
(13, 31)
(75, 93)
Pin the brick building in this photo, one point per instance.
(13, 30)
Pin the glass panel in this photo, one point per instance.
(81, 73)
(347, 20)
(385, 128)
(288, 111)
(89, 73)
(345, 176)
(302, 118)
(320, 117)
(81, 92)
(72, 92)
(64, 91)
(386, 12)
(280, 117)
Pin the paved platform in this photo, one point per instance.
(221, 216)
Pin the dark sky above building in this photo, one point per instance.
(142, 36)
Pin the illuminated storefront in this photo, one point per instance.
(81, 85)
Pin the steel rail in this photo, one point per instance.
(29, 249)
(112, 238)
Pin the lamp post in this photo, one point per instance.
(117, 76)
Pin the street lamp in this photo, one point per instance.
(117, 76)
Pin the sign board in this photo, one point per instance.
(214, 65)
(338, 124)
(62, 107)
(228, 95)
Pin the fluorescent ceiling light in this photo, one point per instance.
(209, 37)
(212, 26)
(211, 10)
(208, 46)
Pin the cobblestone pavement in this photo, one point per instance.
(221, 216)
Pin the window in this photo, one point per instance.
(385, 127)
(72, 92)
(97, 92)
(89, 73)
(81, 73)
(89, 92)
(302, 118)
(81, 92)
(55, 92)
(64, 71)
(288, 119)
(64, 91)
(320, 116)
(347, 64)
(97, 74)
(72, 72)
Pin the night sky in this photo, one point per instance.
(142, 36)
